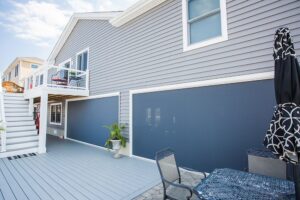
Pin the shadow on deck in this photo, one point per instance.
(74, 171)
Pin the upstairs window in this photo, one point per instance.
(34, 66)
(204, 22)
(9, 76)
(82, 60)
(56, 113)
(16, 70)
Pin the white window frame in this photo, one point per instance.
(88, 57)
(66, 61)
(17, 70)
(55, 104)
(186, 35)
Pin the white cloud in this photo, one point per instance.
(42, 21)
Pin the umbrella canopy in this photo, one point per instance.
(283, 136)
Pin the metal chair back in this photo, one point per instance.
(167, 166)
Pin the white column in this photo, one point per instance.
(30, 110)
(43, 122)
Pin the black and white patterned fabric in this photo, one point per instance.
(283, 136)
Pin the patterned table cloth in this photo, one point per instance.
(232, 184)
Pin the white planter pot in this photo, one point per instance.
(116, 144)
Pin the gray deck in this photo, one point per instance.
(74, 171)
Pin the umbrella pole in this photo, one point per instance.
(296, 174)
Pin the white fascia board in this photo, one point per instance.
(134, 11)
(71, 24)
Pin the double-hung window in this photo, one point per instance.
(82, 60)
(56, 113)
(204, 22)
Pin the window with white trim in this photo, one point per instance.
(66, 64)
(55, 113)
(82, 60)
(204, 22)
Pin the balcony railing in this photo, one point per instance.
(57, 78)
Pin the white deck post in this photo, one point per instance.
(43, 122)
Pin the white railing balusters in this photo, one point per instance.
(3, 133)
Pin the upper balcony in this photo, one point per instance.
(57, 81)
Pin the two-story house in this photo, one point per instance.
(193, 75)
(20, 68)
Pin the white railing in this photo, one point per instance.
(57, 77)
(3, 121)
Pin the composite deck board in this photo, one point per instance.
(118, 177)
(38, 179)
(74, 171)
(6, 191)
(99, 178)
(75, 193)
(22, 182)
(41, 192)
(14, 185)
(75, 178)
(49, 178)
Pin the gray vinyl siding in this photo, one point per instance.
(148, 51)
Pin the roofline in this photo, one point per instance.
(26, 59)
(134, 11)
(71, 24)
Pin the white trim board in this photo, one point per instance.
(185, 26)
(61, 113)
(211, 82)
(85, 143)
(205, 83)
(113, 94)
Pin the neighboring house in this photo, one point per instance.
(20, 68)
(195, 76)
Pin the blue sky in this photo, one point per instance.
(31, 27)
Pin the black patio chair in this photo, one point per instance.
(171, 177)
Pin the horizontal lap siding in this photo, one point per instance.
(147, 51)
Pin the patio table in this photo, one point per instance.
(233, 184)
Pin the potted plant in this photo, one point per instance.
(115, 140)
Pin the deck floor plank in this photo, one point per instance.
(40, 191)
(14, 185)
(70, 180)
(49, 188)
(70, 170)
(55, 184)
(30, 193)
(6, 191)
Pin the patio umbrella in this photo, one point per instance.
(283, 136)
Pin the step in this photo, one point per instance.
(22, 139)
(20, 123)
(20, 128)
(18, 152)
(6, 106)
(21, 133)
(18, 114)
(14, 94)
(15, 119)
(15, 102)
(16, 110)
(23, 145)
(18, 99)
